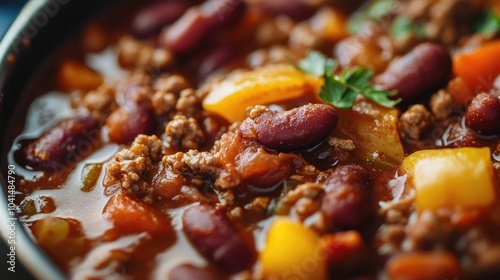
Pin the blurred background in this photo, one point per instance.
(8, 12)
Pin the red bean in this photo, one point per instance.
(418, 73)
(458, 136)
(348, 201)
(214, 236)
(223, 12)
(188, 32)
(187, 271)
(483, 114)
(292, 129)
(215, 59)
(128, 121)
(296, 9)
(64, 144)
(150, 20)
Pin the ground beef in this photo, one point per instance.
(303, 37)
(189, 104)
(305, 199)
(141, 54)
(193, 161)
(258, 205)
(448, 20)
(442, 105)
(163, 102)
(275, 54)
(184, 133)
(171, 83)
(99, 100)
(427, 231)
(274, 31)
(132, 164)
(482, 255)
(414, 121)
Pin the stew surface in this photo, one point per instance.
(229, 139)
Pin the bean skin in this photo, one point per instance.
(292, 129)
(458, 136)
(214, 236)
(295, 9)
(150, 20)
(64, 144)
(483, 114)
(223, 13)
(348, 200)
(128, 121)
(215, 59)
(418, 73)
(187, 271)
(189, 31)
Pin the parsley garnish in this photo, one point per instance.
(341, 90)
(403, 26)
(489, 23)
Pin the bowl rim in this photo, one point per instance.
(27, 251)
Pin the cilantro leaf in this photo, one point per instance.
(489, 23)
(317, 64)
(403, 26)
(342, 90)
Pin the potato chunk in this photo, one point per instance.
(451, 177)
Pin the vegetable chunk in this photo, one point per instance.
(266, 85)
(451, 177)
(292, 251)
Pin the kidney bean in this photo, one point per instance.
(295, 9)
(127, 122)
(292, 129)
(458, 136)
(151, 19)
(223, 13)
(483, 114)
(347, 203)
(215, 59)
(214, 236)
(418, 73)
(64, 144)
(187, 271)
(189, 31)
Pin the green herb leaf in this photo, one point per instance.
(317, 64)
(375, 11)
(403, 26)
(342, 90)
(489, 23)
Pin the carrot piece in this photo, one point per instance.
(423, 266)
(131, 216)
(459, 91)
(74, 75)
(480, 67)
(342, 247)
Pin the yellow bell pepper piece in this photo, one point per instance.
(292, 251)
(266, 85)
(451, 177)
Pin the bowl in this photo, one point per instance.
(41, 26)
